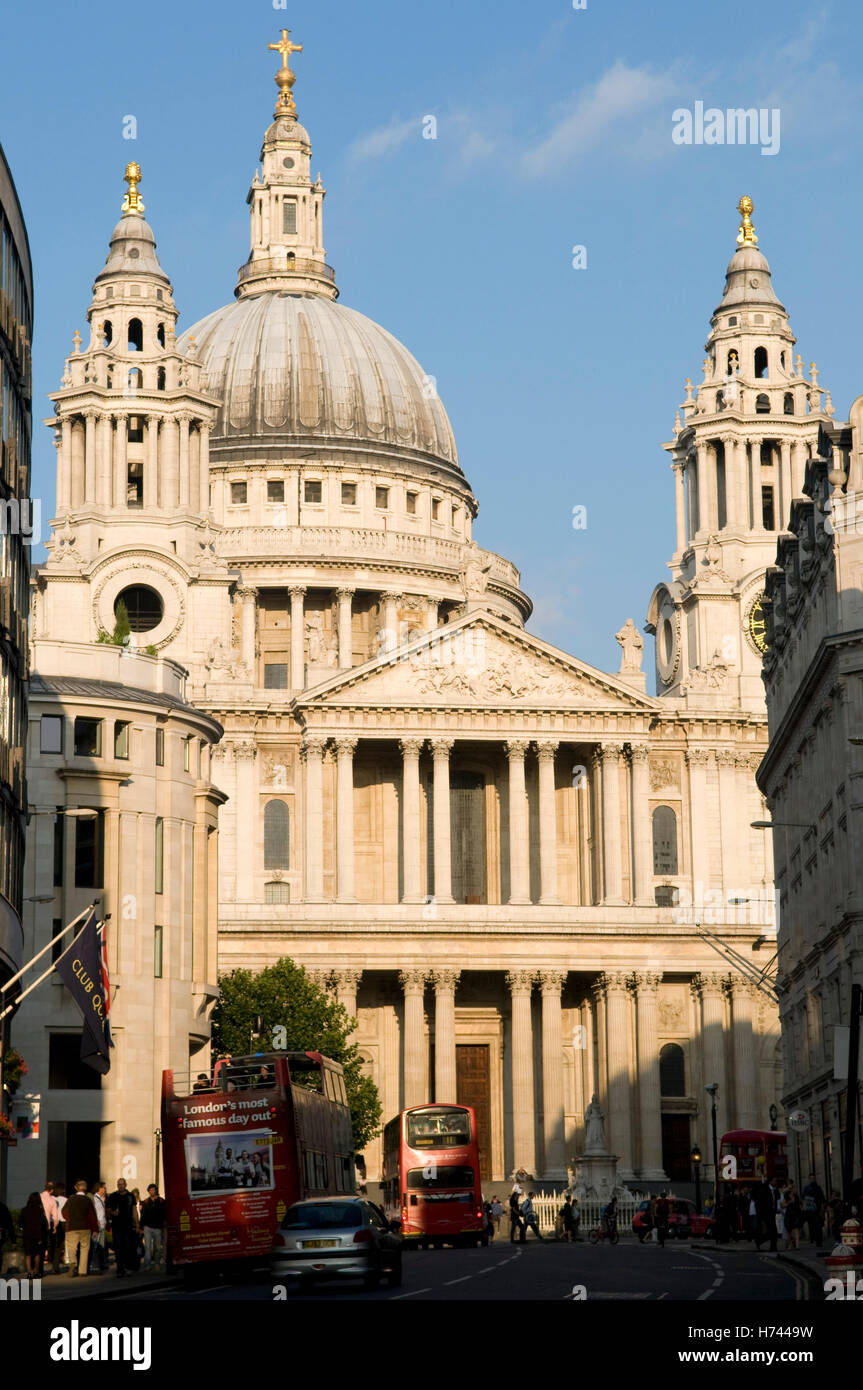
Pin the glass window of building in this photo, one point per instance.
(88, 737)
(51, 733)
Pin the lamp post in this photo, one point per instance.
(713, 1091)
(696, 1164)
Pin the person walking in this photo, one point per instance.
(138, 1250)
(568, 1221)
(81, 1224)
(814, 1203)
(497, 1214)
(7, 1230)
(52, 1216)
(124, 1225)
(576, 1221)
(34, 1235)
(60, 1241)
(649, 1223)
(528, 1219)
(153, 1226)
(99, 1247)
(489, 1220)
(792, 1215)
(766, 1199)
(515, 1223)
(661, 1216)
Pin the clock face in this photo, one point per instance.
(758, 625)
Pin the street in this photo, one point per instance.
(551, 1271)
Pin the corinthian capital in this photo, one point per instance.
(413, 980)
(520, 981)
(444, 979)
(645, 981)
(552, 981)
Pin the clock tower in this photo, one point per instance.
(741, 441)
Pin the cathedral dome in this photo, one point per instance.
(298, 370)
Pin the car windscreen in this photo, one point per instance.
(312, 1216)
(440, 1176)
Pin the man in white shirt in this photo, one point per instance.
(52, 1216)
(99, 1243)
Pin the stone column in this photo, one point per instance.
(679, 507)
(411, 862)
(169, 479)
(645, 988)
(346, 639)
(184, 464)
(441, 749)
(611, 831)
(151, 464)
(642, 829)
(103, 460)
(247, 593)
(312, 752)
(743, 1012)
(690, 474)
(247, 819)
(708, 989)
(784, 505)
(89, 456)
(523, 1134)
(121, 466)
(345, 819)
(600, 1004)
(391, 620)
(64, 470)
(697, 760)
(620, 1081)
(733, 491)
(347, 983)
(298, 639)
(547, 823)
(204, 467)
(707, 488)
(519, 862)
(729, 815)
(798, 467)
(755, 484)
(413, 983)
(445, 1078)
(554, 1166)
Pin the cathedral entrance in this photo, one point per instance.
(676, 1148)
(473, 1087)
(467, 808)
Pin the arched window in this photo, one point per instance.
(276, 892)
(107, 333)
(136, 336)
(733, 360)
(672, 1070)
(760, 361)
(160, 379)
(276, 836)
(664, 841)
(762, 405)
(788, 403)
(720, 400)
(782, 359)
(160, 335)
(136, 380)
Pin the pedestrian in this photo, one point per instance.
(7, 1230)
(60, 1243)
(837, 1216)
(566, 1212)
(497, 1214)
(34, 1235)
(52, 1216)
(661, 1216)
(648, 1225)
(99, 1246)
(576, 1221)
(766, 1200)
(814, 1203)
(528, 1219)
(124, 1224)
(489, 1220)
(139, 1235)
(80, 1225)
(514, 1213)
(153, 1227)
(729, 1208)
(792, 1215)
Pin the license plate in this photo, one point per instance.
(319, 1244)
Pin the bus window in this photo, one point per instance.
(330, 1084)
(440, 1175)
(438, 1129)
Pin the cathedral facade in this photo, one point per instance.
(530, 880)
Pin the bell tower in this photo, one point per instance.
(738, 455)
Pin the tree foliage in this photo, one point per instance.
(283, 996)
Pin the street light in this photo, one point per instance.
(713, 1091)
(696, 1163)
(786, 824)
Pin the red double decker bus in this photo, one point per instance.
(748, 1156)
(268, 1131)
(431, 1175)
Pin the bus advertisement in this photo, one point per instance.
(431, 1177)
(266, 1132)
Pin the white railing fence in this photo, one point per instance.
(548, 1204)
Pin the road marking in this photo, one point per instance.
(707, 1294)
(615, 1294)
(464, 1278)
(412, 1294)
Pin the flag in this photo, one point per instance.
(84, 971)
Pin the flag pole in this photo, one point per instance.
(40, 954)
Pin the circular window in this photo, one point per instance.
(144, 606)
(134, 253)
(288, 162)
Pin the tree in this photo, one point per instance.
(283, 996)
(122, 626)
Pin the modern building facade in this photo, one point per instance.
(812, 776)
(16, 516)
(123, 812)
(515, 870)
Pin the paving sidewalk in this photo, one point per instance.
(63, 1287)
(809, 1258)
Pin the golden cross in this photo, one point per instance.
(286, 48)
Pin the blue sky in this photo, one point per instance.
(553, 130)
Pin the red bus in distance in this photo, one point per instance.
(748, 1156)
(431, 1176)
(268, 1131)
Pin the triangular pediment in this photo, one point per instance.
(478, 661)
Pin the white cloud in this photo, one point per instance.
(386, 140)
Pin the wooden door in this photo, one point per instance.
(676, 1148)
(473, 1087)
